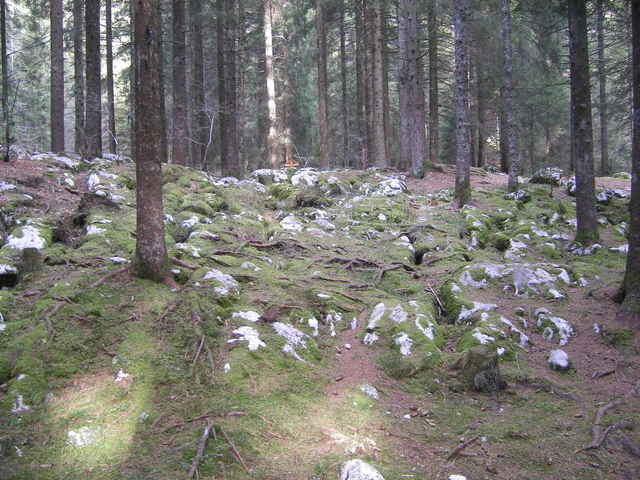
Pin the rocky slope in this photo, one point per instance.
(320, 317)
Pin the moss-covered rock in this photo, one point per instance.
(479, 370)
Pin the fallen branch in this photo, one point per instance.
(109, 275)
(429, 289)
(382, 271)
(597, 375)
(235, 451)
(195, 359)
(201, 417)
(200, 453)
(456, 451)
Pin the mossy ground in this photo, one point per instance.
(289, 419)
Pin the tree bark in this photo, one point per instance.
(463, 149)
(378, 140)
(629, 313)
(434, 117)
(57, 76)
(151, 253)
(582, 140)
(78, 75)
(227, 88)
(179, 137)
(93, 115)
(323, 119)
(605, 166)
(6, 116)
(512, 152)
(200, 121)
(361, 85)
(273, 138)
(344, 109)
(412, 135)
(111, 100)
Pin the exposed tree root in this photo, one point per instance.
(109, 275)
(235, 451)
(598, 432)
(456, 451)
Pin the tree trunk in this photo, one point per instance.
(93, 116)
(605, 166)
(582, 140)
(386, 103)
(434, 117)
(412, 135)
(346, 144)
(57, 76)
(179, 136)
(378, 141)
(227, 88)
(111, 100)
(509, 132)
(323, 119)
(78, 75)
(200, 122)
(481, 105)
(629, 313)
(163, 104)
(361, 85)
(463, 150)
(6, 117)
(273, 138)
(504, 146)
(151, 253)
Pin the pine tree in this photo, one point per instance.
(57, 76)
(463, 147)
(93, 105)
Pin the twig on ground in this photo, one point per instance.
(201, 447)
(456, 451)
(109, 275)
(235, 451)
(430, 290)
(195, 359)
(382, 271)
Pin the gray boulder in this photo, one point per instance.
(359, 470)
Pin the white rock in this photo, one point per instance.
(291, 334)
(118, 260)
(3, 325)
(428, 331)
(4, 187)
(227, 368)
(121, 376)
(7, 269)
(622, 248)
(93, 230)
(313, 323)
(304, 177)
(405, 343)
(249, 316)
(477, 307)
(481, 337)
(249, 335)
(359, 470)
(85, 436)
(457, 477)
(19, 406)
(376, 316)
(558, 360)
(227, 281)
(467, 280)
(370, 391)
(250, 266)
(30, 239)
(398, 315)
(291, 224)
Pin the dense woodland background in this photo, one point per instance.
(325, 54)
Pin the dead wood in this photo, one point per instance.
(597, 375)
(235, 451)
(456, 451)
(202, 417)
(200, 453)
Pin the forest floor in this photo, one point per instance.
(317, 320)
